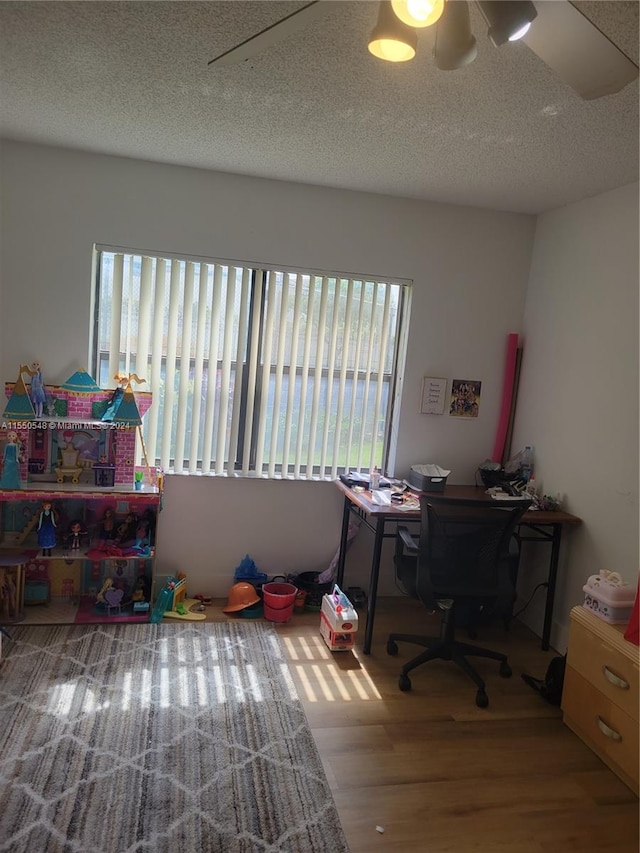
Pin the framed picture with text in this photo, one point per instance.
(433, 395)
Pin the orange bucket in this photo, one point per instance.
(278, 600)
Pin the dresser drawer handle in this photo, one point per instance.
(615, 679)
(607, 730)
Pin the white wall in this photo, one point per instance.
(469, 267)
(578, 399)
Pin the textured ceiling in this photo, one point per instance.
(132, 79)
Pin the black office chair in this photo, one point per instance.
(459, 560)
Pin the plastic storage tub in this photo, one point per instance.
(609, 597)
(427, 478)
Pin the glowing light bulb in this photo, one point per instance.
(391, 50)
(418, 13)
(521, 32)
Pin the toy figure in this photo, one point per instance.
(142, 534)
(124, 381)
(149, 520)
(8, 593)
(10, 478)
(142, 591)
(108, 584)
(108, 526)
(127, 530)
(74, 535)
(113, 405)
(47, 529)
(37, 392)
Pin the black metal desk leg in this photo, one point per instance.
(373, 585)
(346, 512)
(551, 585)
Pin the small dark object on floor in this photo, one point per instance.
(550, 688)
(357, 596)
(309, 582)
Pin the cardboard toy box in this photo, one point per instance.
(338, 621)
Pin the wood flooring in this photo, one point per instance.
(429, 768)
(436, 773)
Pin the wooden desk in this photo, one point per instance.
(539, 526)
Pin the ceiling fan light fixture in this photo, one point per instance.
(391, 39)
(508, 20)
(455, 46)
(418, 13)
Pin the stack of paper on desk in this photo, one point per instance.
(503, 496)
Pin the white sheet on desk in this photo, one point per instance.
(505, 497)
(381, 497)
(430, 470)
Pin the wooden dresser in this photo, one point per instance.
(600, 697)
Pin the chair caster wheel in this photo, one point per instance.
(392, 648)
(505, 670)
(404, 683)
(482, 700)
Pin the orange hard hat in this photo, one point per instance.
(241, 595)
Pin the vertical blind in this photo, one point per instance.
(267, 371)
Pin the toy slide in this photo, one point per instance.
(163, 601)
(184, 612)
(172, 604)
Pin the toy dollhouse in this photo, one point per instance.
(86, 435)
(76, 519)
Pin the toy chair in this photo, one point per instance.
(69, 466)
(113, 599)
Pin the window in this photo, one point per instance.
(273, 372)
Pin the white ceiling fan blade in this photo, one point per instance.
(282, 29)
(577, 51)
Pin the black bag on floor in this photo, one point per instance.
(551, 687)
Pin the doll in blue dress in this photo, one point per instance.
(37, 393)
(47, 529)
(10, 478)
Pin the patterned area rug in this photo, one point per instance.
(180, 738)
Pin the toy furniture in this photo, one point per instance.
(69, 467)
(37, 583)
(458, 561)
(11, 589)
(104, 474)
(113, 598)
(67, 590)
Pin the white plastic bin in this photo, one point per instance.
(609, 597)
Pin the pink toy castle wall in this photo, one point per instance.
(79, 410)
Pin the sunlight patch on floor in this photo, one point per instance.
(331, 683)
(303, 648)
